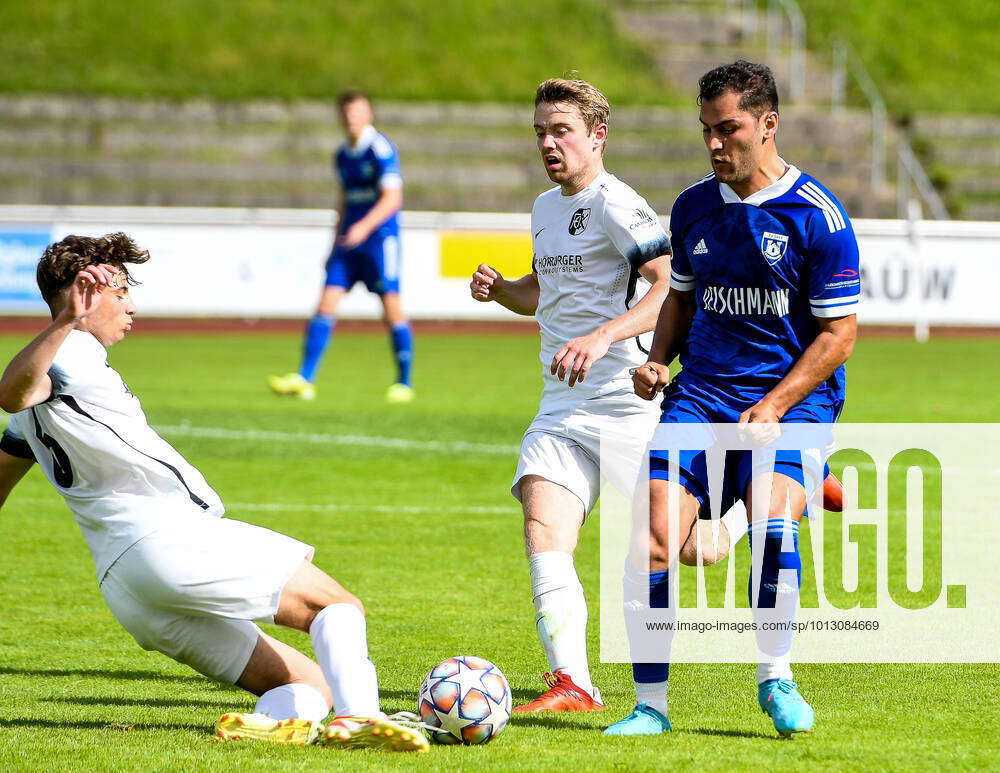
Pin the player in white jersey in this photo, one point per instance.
(600, 273)
(178, 577)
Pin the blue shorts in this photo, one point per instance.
(682, 406)
(375, 262)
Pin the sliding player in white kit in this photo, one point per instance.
(597, 247)
(178, 577)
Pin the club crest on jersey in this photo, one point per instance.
(772, 246)
(578, 223)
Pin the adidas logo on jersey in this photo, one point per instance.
(700, 248)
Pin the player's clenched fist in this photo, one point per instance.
(485, 283)
(648, 380)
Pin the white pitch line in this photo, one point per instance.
(413, 509)
(232, 507)
(320, 438)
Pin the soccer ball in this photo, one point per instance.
(467, 698)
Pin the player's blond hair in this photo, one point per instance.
(592, 104)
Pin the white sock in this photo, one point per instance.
(561, 614)
(735, 521)
(653, 694)
(779, 667)
(339, 638)
(293, 701)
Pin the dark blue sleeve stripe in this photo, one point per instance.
(647, 251)
(16, 446)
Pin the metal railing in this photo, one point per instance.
(796, 44)
(776, 13)
(910, 173)
(846, 62)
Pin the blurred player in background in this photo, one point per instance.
(764, 289)
(366, 249)
(597, 246)
(178, 577)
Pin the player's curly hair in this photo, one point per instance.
(63, 260)
(753, 82)
(592, 104)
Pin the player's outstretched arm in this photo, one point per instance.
(672, 327)
(25, 382)
(12, 469)
(518, 295)
(822, 357)
(576, 357)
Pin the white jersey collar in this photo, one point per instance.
(779, 187)
(368, 135)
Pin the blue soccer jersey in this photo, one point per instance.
(762, 269)
(365, 169)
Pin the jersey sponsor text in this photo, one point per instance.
(745, 301)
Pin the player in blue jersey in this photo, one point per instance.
(366, 249)
(764, 289)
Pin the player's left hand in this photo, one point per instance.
(762, 422)
(576, 357)
(354, 236)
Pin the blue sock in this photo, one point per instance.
(402, 346)
(317, 336)
(780, 538)
(778, 565)
(659, 586)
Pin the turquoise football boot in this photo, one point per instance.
(780, 700)
(644, 720)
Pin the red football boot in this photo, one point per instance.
(563, 695)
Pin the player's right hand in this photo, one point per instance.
(85, 292)
(485, 282)
(648, 380)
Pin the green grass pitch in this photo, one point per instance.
(430, 539)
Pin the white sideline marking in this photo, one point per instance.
(283, 506)
(440, 446)
(415, 509)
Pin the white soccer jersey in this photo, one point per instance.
(121, 480)
(587, 251)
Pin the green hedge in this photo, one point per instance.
(925, 55)
(480, 50)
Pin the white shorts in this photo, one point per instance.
(564, 445)
(191, 590)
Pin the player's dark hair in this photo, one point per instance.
(753, 82)
(351, 95)
(592, 104)
(63, 260)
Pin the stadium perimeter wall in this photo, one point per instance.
(268, 263)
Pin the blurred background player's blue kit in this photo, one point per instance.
(366, 248)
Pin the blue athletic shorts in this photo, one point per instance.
(375, 262)
(682, 406)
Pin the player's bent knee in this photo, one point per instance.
(307, 593)
(274, 663)
(689, 555)
(711, 539)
